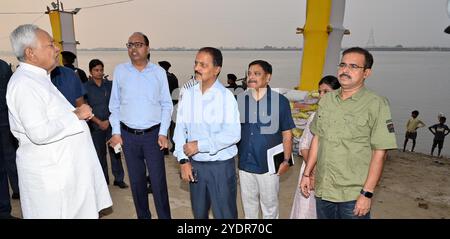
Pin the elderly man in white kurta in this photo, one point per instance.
(59, 172)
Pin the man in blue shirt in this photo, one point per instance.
(69, 84)
(266, 122)
(98, 92)
(206, 133)
(141, 109)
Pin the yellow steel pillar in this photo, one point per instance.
(315, 33)
(63, 28)
(55, 21)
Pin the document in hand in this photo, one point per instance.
(275, 156)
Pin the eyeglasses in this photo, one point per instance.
(352, 67)
(134, 44)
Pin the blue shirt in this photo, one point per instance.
(68, 83)
(211, 119)
(263, 122)
(98, 98)
(140, 99)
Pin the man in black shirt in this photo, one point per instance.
(7, 148)
(440, 131)
(68, 59)
(173, 84)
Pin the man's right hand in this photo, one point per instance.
(103, 125)
(305, 186)
(83, 112)
(115, 139)
(186, 172)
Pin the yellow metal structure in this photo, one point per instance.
(315, 35)
(55, 21)
(63, 28)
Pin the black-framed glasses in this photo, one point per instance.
(134, 44)
(352, 67)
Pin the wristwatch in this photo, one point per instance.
(366, 193)
(183, 161)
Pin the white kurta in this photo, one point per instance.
(59, 173)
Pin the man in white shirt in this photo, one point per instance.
(59, 173)
(206, 133)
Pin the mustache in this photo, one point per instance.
(196, 72)
(343, 74)
(251, 81)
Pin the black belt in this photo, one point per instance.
(138, 131)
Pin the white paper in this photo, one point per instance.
(270, 153)
(117, 148)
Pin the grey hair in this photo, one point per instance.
(22, 37)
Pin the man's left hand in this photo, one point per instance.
(163, 142)
(190, 148)
(362, 206)
(284, 166)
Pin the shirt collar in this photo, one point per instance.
(215, 85)
(149, 66)
(355, 96)
(33, 68)
(92, 82)
(267, 95)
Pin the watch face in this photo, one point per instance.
(366, 194)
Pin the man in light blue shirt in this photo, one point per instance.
(206, 133)
(141, 109)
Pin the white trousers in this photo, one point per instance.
(259, 189)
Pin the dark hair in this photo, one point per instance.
(95, 62)
(442, 119)
(368, 58)
(331, 81)
(68, 56)
(264, 64)
(215, 53)
(231, 77)
(146, 41)
(415, 112)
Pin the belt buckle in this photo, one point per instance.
(138, 132)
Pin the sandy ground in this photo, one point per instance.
(413, 185)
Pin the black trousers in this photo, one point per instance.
(143, 151)
(216, 189)
(99, 138)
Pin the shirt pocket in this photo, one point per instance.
(358, 127)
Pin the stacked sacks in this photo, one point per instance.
(303, 104)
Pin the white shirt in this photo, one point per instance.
(59, 172)
(210, 118)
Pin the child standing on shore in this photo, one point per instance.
(411, 129)
(440, 131)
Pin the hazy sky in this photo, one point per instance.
(230, 23)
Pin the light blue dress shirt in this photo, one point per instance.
(211, 119)
(140, 99)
